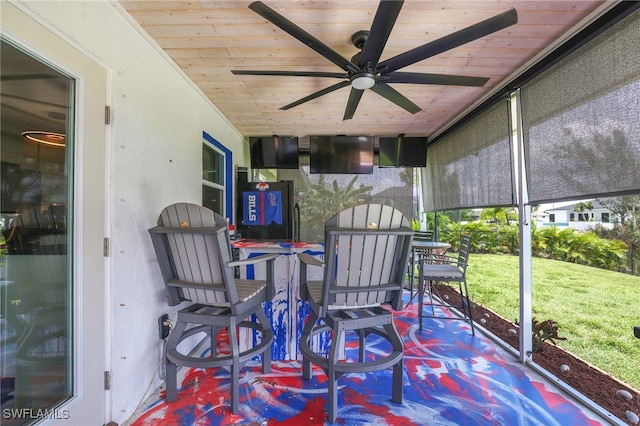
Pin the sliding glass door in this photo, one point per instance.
(36, 170)
(52, 221)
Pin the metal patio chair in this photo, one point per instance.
(367, 249)
(434, 268)
(194, 253)
(412, 267)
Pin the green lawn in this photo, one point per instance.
(595, 309)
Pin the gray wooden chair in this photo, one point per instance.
(435, 268)
(367, 249)
(194, 253)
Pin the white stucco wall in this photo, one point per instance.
(153, 159)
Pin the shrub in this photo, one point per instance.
(565, 244)
(542, 332)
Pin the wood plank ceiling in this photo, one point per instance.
(207, 39)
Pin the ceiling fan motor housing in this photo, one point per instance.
(360, 38)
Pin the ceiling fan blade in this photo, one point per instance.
(352, 104)
(381, 27)
(317, 94)
(300, 34)
(465, 35)
(291, 73)
(439, 79)
(396, 97)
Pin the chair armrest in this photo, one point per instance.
(184, 284)
(270, 259)
(253, 260)
(310, 260)
(442, 259)
(307, 260)
(186, 230)
(437, 259)
(436, 256)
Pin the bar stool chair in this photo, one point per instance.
(412, 267)
(367, 249)
(436, 268)
(194, 254)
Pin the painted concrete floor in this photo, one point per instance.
(450, 378)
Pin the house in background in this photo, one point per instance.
(575, 215)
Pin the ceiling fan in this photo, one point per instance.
(364, 71)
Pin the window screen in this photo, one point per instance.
(581, 120)
(321, 196)
(471, 167)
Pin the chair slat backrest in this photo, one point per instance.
(367, 249)
(192, 246)
(464, 250)
(424, 236)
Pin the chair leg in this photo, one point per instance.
(411, 269)
(306, 368)
(332, 378)
(467, 305)
(214, 341)
(171, 367)
(235, 366)
(420, 301)
(171, 393)
(332, 396)
(398, 368)
(396, 393)
(306, 337)
(266, 333)
(361, 351)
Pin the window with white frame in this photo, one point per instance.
(213, 178)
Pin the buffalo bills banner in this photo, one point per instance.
(262, 208)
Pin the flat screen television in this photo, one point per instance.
(274, 152)
(341, 154)
(402, 151)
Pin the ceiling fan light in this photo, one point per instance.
(363, 82)
(46, 138)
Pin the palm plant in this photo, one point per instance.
(321, 203)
